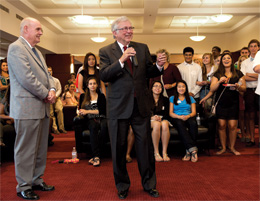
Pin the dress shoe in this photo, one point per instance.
(250, 144)
(51, 143)
(28, 195)
(153, 192)
(43, 187)
(122, 194)
(63, 131)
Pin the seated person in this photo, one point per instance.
(4, 78)
(183, 112)
(7, 131)
(72, 78)
(93, 108)
(69, 97)
(159, 121)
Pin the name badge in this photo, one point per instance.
(178, 101)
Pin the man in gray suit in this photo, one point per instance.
(126, 65)
(32, 92)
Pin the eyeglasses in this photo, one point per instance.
(125, 29)
(157, 86)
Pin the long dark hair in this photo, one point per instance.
(221, 68)
(86, 67)
(160, 101)
(1, 62)
(87, 96)
(7, 94)
(186, 93)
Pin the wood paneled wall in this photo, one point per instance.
(60, 64)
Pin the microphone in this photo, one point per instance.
(134, 58)
(135, 62)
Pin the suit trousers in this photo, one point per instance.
(118, 131)
(188, 136)
(58, 108)
(30, 151)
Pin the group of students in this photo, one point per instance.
(175, 95)
(7, 132)
(175, 98)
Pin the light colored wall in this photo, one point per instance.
(242, 37)
(10, 24)
(174, 44)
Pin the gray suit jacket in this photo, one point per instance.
(30, 82)
(122, 85)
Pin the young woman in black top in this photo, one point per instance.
(159, 121)
(90, 70)
(93, 108)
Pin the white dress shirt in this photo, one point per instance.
(191, 73)
(122, 64)
(57, 86)
(247, 67)
(255, 63)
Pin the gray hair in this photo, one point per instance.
(25, 22)
(114, 25)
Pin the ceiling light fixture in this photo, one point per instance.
(197, 38)
(81, 19)
(98, 39)
(221, 17)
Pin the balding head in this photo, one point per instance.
(31, 30)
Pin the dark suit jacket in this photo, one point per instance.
(122, 85)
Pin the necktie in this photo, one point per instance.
(129, 63)
(35, 52)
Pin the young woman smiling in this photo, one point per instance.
(183, 112)
(227, 82)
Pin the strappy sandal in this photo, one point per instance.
(186, 157)
(157, 157)
(91, 161)
(96, 162)
(235, 152)
(194, 156)
(221, 152)
(166, 158)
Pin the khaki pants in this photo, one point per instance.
(58, 108)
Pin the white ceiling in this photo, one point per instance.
(147, 16)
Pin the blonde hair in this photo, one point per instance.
(165, 52)
(239, 62)
(204, 69)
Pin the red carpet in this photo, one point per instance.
(225, 177)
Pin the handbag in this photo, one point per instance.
(213, 109)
